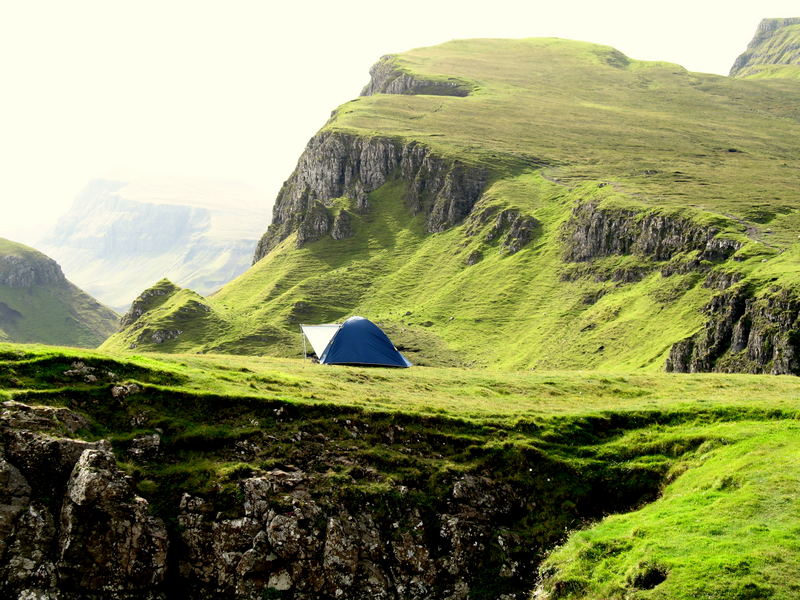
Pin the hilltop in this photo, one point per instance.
(38, 304)
(535, 203)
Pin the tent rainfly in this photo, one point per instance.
(357, 341)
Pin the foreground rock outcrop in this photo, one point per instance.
(71, 526)
(327, 524)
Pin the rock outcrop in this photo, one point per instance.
(336, 164)
(71, 526)
(292, 540)
(26, 272)
(387, 77)
(776, 43)
(593, 232)
(744, 333)
(148, 300)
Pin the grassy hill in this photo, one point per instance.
(38, 304)
(661, 485)
(577, 209)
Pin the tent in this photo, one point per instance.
(357, 341)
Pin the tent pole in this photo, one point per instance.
(303, 335)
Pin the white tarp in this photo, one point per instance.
(320, 335)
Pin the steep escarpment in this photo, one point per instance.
(337, 164)
(388, 77)
(773, 52)
(38, 304)
(526, 225)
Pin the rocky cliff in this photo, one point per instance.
(337, 164)
(776, 44)
(29, 271)
(593, 232)
(388, 77)
(746, 331)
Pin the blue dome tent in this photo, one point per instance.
(357, 341)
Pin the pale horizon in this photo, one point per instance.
(201, 91)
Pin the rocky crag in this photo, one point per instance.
(388, 77)
(336, 165)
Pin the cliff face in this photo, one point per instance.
(776, 43)
(336, 165)
(745, 332)
(387, 77)
(592, 232)
(26, 272)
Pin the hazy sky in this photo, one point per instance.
(233, 89)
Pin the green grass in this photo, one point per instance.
(726, 528)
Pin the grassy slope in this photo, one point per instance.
(51, 313)
(662, 135)
(725, 526)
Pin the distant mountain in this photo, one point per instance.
(774, 51)
(38, 304)
(122, 236)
